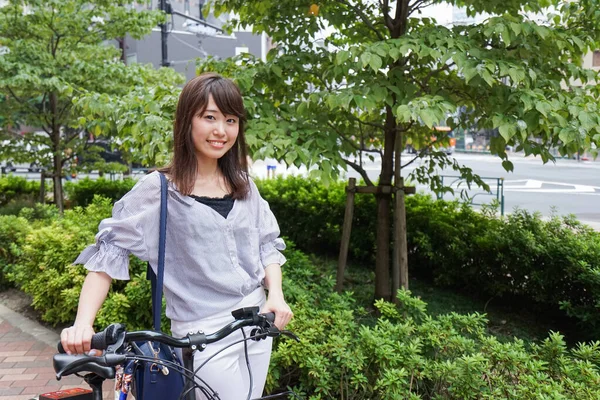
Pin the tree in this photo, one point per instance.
(353, 77)
(58, 50)
(380, 76)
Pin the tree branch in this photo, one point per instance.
(406, 128)
(423, 84)
(372, 124)
(364, 18)
(15, 96)
(417, 5)
(343, 136)
(385, 10)
(361, 171)
(420, 155)
(351, 143)
(400, 18)
(21, 101)
(69, 138)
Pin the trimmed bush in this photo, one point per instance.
(12, 187)
(44, 270)
(16, 193)
(82, 192)
(546, 263)
(312, 215)
(407, 354)
(13, 231)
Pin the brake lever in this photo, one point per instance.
(119, 343)
(290, 334)
(274, 331)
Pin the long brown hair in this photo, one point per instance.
(193, 100)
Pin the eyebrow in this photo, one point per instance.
(219, 111)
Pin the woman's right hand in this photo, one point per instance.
(77, 339)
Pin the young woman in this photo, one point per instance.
(222, 246)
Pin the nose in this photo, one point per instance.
(219, 129)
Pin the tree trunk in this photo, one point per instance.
(382, 263)
(56, 154)
(57, 179)
(400, 258)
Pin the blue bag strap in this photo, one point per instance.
(156, 280)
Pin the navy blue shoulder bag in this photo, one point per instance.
(152, 380)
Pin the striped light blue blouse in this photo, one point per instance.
(211, 262)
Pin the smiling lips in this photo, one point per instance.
(216, 143)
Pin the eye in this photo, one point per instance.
(209, 117)
(232, 120)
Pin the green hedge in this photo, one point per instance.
(16, 193)
(44, 268)
(548, 264)
(82, 192)
(312, 215)
(407, 354)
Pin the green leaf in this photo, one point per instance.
(429, 118)
(516, 28)
(516, 74)
(508, 166)
(507, 131)
(290, 157)
(276, 70)
(586, 120)
(375, 62)
(543, 107)
(365, 58)
(566, 136)
(469, 73)
(403, 113)
(341, 57)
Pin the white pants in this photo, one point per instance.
(227, 373)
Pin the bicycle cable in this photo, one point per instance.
(245, 340)
(250, 380)
(189, 375)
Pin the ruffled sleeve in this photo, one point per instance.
(271, 244)
(133, 218)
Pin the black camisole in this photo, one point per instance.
(222, 205)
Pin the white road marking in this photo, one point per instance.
(535, 186)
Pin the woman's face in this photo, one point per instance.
(213, 132)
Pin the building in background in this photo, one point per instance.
(189, 40)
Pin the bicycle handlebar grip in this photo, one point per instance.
(99, 341)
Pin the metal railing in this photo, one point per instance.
(498, 193)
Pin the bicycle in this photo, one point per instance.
(119, 347)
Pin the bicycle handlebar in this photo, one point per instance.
(244, 317)
(115, 334)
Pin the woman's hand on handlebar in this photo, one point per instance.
(277, 305)
(77, 339)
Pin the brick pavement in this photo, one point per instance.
(26, 350)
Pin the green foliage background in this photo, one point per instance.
(344, 352)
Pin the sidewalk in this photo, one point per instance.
(26, 350)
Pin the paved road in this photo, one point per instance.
(564, 187)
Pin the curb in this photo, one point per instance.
(33, 328)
